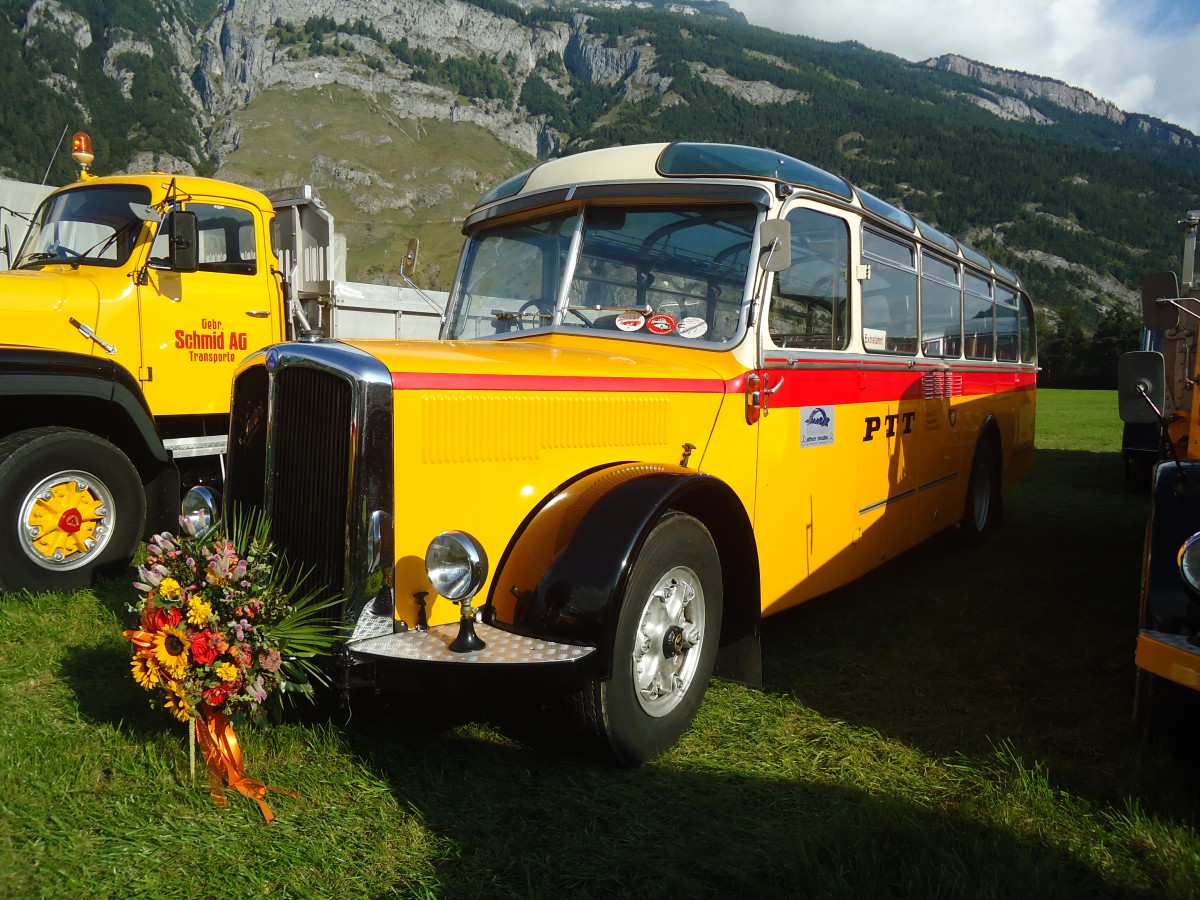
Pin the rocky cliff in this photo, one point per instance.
(1034, 87)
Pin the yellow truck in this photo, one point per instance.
(122, 319)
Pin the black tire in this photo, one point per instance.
(661, 634)
(983, 493)
(85, 500)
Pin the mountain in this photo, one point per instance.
(402, 112)
(1016, 85)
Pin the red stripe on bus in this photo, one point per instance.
(454, 381)
(801, 386)
(824, 387)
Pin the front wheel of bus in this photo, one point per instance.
(983, 493)
(666, 642)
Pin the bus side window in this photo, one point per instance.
(941, 308)
(1007, 327)
(889, 295)
(978, 318)
(809, 306)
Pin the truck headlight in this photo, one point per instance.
(456, 565)
(1189, 562)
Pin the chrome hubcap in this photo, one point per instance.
(670, 634)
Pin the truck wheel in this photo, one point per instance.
(665, 645)
(983, 492)
(71, 506)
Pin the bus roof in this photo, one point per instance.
(642, 162)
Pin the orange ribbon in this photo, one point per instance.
(223, 756)
(143, 640)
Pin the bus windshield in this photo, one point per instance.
(92, 225)
(673, 273)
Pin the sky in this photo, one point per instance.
(1143, 55)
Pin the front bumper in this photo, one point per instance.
(408, 660)
(1171, 656)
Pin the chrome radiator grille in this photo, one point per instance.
(310, 466)
(311, 444)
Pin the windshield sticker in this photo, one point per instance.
(630, 321)
(660, 323)
(692, 327)
(816, 426)
(874, 339)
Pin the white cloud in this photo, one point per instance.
(1139, 55)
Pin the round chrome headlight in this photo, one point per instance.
(199, 511)
(1189, 562)
(456, 565)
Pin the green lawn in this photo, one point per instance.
(955, 724)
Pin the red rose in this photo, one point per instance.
(215, 696)
(206, 646)
(164, 617)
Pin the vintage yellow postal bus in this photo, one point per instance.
(680, 387)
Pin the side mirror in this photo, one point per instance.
(1141, 386)
(409, 266)
(775, 245)
(1157, 315)
(183, 242)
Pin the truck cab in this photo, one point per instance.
(124, 315)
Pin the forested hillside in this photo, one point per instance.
(1081, 205)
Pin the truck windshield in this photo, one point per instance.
(665, 273)
(92, 225)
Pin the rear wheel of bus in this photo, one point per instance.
(983, 492)
(665, 646)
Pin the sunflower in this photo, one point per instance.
(171, 650)
(146, 670)
(177, 702)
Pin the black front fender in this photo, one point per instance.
(1168, 604)
(567, 567)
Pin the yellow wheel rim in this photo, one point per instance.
(66, 520)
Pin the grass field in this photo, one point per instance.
(955, 724)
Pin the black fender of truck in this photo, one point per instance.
(1168, 604)
(95, 395)
(568, 564)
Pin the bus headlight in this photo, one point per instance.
(1189, 562)
(199, 511)
(456, 565)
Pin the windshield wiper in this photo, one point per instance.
(504, 315)
(100, 246)
(35, 258)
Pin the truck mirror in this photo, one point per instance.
(183, 241)
(409, 266)
(1141, 386)
(1157, 315)
(775, 243)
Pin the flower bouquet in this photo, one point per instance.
(224, 631)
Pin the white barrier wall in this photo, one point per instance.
(18, 202)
